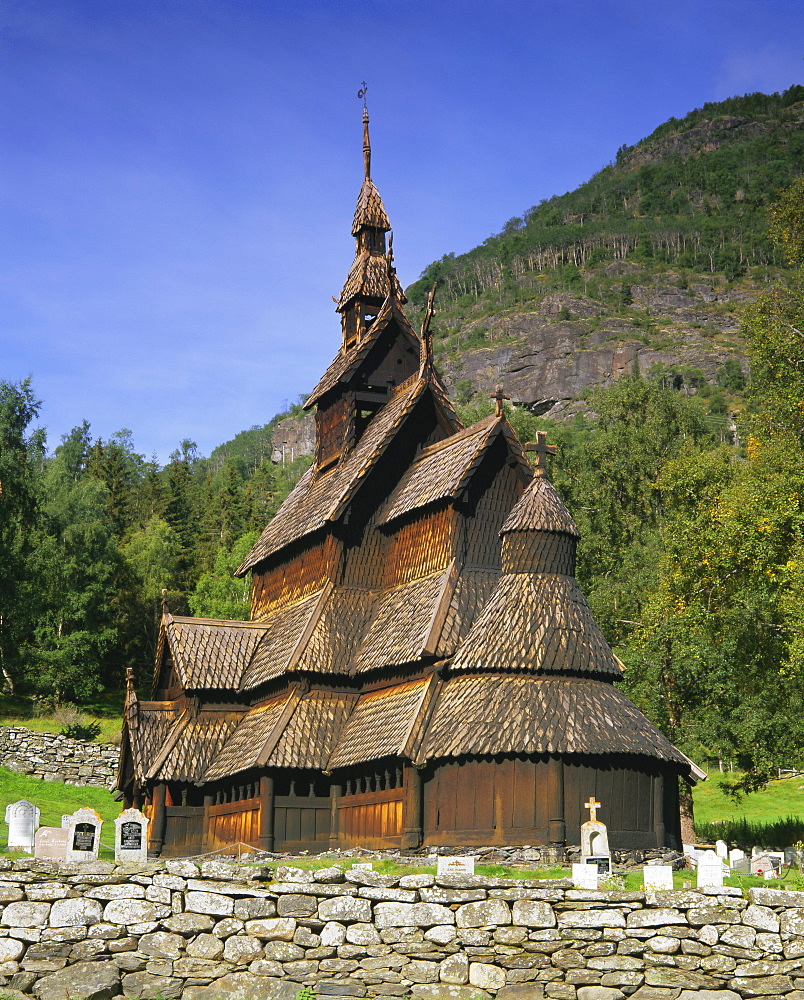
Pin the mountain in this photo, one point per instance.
(645, 268)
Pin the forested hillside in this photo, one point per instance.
(654, 285)
(647, 264)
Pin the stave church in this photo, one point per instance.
(420, 667)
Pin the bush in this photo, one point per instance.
(75, 724)
(745, 834)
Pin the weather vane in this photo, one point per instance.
(362, 92)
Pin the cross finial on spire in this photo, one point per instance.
(165, 601)
(593, 807)
(426, 346)
(542, 450)
(366, 140)
(498, 396)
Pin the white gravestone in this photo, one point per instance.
(83, 835)
(658, 876)
(722, 849)
(595, 839)
(585, 876)
(50, 843)
(23, 821)
(364, 866)
(65, 820)
(464, 865)
(710, 870)
(131, 836)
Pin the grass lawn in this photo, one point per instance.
(53, 799)
(783, 797)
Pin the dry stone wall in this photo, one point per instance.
(216, 931)
(53, 757)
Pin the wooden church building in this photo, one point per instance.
(420, 667)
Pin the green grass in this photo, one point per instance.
(783, 797)
(53, 799)
(105, 710)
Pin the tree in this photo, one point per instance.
(154, 554)
(218, 593)
(72, 582)
(21, 456)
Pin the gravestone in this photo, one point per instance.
(710, 870)
(722, 849)
(364, 866)
(83, 835)
(585, 876)
(65, 820)
(767, 861)
(50, 844)
(658, 876)
(131, 836)
(464, 865)
(595, 840)
(23, 820)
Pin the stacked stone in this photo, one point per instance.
(218, 930)
(52, 757)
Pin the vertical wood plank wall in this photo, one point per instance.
(301, 823)
(507, 801)
(234, 823)
(370, 819)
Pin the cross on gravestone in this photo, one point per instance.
(541, 449)
(498, 396)
(23, 820)
(593, 807)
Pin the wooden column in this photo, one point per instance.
(157, 827)
(412, 808)
(206, 836)
(557, 833)
(335, 792)
(267, 812)
(658, 809)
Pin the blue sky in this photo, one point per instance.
(178, 177)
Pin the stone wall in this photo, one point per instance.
(56, 758)
(215, 930)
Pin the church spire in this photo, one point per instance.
(366, 144)
(370, 280)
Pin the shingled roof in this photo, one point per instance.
(370, 211)
(443, 469)
(347, 361)
(498, 713)
(320, 497)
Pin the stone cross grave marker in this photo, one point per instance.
(585, 876)
(23, 821)
(464, 865)
(131, 836)
(83, 835)
(710, 870)
(50, 843)
(595, 839)
(658, 876)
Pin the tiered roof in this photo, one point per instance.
(451, 658)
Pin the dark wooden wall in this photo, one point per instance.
(505, 801)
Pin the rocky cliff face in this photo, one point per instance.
(547, 358)
(292, 438)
